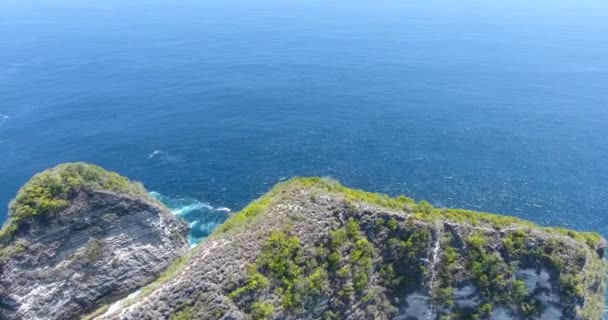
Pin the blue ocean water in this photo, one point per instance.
(201, 217)
(498, 106)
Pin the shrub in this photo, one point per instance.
(337, 238)
(94, 249)
(261, 310)
(280, 256)
(571, 285)
(346, 292)
(445, 296)
(280, 260)
(317, 281)
(255, 281)
(360, 279)
(483, 311)
(333, 259)
(392, 224)
(424, 207)
(389, 276)
(344, 272)
(352, 228)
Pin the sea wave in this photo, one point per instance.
(202, 217)
(157, 153)
(3, 119)
(165, 157)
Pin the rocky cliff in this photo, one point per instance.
(78, 237)
(313, 249)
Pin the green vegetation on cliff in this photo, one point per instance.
(313, 248)
(421, 210)
(50, 191)
(393, 253)
(318, 249)
(282, 269)
(342, 266)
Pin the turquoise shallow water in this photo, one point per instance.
(498, 106)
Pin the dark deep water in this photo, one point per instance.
(499, 106)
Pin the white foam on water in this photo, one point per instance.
(191, 207)
(156, 153)
(155, 195)
(202, 218)
(3, 119)
(166, 158)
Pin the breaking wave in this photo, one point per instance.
(157, 153)
(202, 217)
(166, 157)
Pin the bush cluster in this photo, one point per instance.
(494, 277)
(403, 266)
(281, 269)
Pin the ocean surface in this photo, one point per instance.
(498, 106)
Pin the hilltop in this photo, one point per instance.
(314, 249)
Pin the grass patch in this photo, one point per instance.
(330, 185)
(590, 238)
(252, 210)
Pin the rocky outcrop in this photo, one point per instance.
(313, 249)
(79, 237)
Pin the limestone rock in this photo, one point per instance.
(313, 249)
(79, 237)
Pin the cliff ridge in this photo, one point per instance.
(314, 249)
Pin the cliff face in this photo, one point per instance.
(312, 249)
(78, 237)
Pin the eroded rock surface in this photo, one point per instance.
(312, 249)
(96, 246)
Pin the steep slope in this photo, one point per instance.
(79, 236)
(313, 249)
